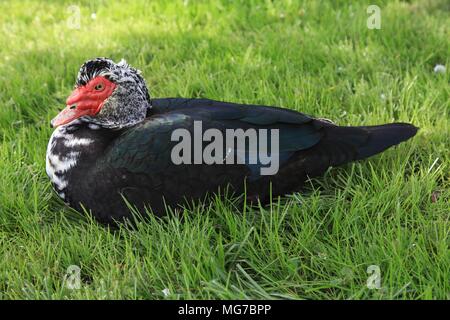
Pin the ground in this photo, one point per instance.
(385, 218)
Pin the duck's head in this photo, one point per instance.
(109, 94)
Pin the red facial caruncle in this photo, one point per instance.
(86, 100)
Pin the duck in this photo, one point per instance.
(116, 151)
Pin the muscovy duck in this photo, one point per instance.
(112, 142)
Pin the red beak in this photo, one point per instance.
(84, 101)
(67, 115)
(77, 106)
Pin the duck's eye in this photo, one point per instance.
(99, 86)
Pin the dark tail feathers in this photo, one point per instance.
(384, 136)
(344, 144)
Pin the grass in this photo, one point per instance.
(391, 211)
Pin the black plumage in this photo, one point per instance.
(134, 162)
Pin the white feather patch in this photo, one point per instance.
(56, 165)
(77, 142)
(93, 126)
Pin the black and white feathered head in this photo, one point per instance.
(109, 94)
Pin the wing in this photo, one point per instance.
(147, 147)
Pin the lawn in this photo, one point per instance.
(386, 216)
